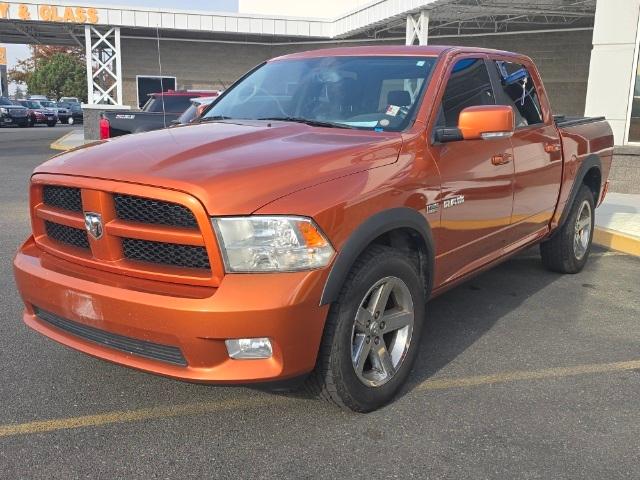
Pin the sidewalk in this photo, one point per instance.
(74, 138)
(618, 223)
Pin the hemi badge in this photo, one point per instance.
(433, 208)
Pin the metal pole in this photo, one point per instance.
(118, 58)
(87, 46)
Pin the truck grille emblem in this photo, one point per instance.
(93, 224)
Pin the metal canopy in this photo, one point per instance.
(380, 19)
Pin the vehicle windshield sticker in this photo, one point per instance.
(384, 122)
(392, 110)
(420, 63)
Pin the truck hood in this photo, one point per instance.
(232, 168)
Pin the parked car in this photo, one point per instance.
(77, 115)
(198, 105)
(158, 112)
(63, 113)
(11, 114)
(37, 114)
(38, 98)
(300, 227)
(69, 100)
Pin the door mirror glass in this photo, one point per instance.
(486, 122)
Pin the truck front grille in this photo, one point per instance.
(66, 198)
(67, 235)
(168, 253)
(142, 348)
(147, 210)
(153, 236)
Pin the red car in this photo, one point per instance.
(37, 114)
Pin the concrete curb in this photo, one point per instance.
(59, 143)
(617, 241)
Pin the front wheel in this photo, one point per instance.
(372, 332)
(568, 250)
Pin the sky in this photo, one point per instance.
(17, 52)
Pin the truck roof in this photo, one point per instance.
(420, 50)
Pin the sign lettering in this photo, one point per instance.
(48, 13)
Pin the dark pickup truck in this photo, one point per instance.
(159, 112)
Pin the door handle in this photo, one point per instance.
(552, 147)
(501, 159)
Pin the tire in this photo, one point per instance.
(568, 250)
(51, 124)
(30, 122)
(378, 270)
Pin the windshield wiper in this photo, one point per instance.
(215, 118)
(306, 121)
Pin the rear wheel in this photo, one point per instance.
(568, 250)
(372, 332)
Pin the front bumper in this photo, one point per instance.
(7, 120)
(283, 307)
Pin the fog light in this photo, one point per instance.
(244, 348)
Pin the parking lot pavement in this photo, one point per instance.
(522, 374)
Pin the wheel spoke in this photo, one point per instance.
(583, 223)
(380, 297)
(383, 359)
(360, 352)
(396, 319)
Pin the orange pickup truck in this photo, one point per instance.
(297, 230)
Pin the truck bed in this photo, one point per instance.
(565, 121)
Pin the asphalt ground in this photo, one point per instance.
(522, 374)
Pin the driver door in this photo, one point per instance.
(477, 179)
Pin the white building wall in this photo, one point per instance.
(613, 63)
(325, 9)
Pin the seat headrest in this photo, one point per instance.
(400, 98)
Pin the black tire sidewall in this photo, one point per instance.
(350, 388)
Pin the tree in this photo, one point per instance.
(52, 71)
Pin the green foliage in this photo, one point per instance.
(60, 75)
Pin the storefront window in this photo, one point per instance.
(634, 122)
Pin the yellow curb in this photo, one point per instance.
(617, 241)
(57, 145)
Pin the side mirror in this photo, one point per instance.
(486, 122)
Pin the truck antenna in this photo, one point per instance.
(164, 113)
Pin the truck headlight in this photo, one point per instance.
(4, 110)
(271, 244)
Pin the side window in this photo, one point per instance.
(468, 85)
(519, 92)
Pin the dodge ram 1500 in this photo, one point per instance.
(298, 229)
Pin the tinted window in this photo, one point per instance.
(469, 85)
(519, 91)
(5, 101)
(375, 92)
(172, 104)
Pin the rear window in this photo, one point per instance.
(172, 104)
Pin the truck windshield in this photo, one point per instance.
(373, 92)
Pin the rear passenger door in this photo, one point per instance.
(477, 191)
(537, 150)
